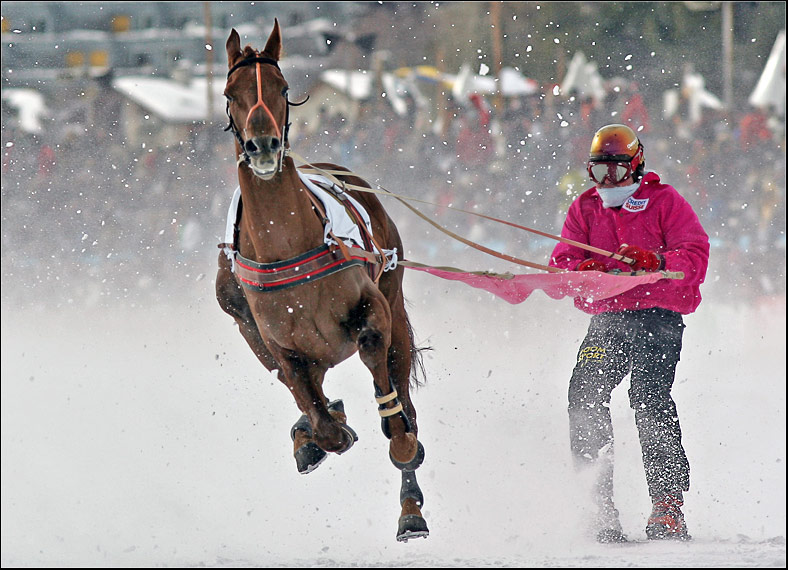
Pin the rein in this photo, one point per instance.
(307, 168)
(405, 199)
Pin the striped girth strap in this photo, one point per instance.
(310, 266)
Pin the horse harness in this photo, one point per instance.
(320, 261)
(316, 263)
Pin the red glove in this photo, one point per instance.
(591, 265)
(644, 260)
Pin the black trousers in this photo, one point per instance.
(647, 345)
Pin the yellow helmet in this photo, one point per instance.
(617, 144)
(614, 142)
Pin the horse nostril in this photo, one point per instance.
(262, 145)
(250, 147)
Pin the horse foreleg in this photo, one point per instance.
(321, 423)
(232, 300)
(307, 453)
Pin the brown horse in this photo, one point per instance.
(344, 303)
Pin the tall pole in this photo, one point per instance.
(444, 117)
(209, 65)
(495, 29)
(727, 54)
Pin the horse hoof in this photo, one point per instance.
(412, 526)
(308, 457)
(414, 463)
(301, 425)
(350, 437)
(335, 406)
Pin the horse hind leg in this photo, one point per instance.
(402, 358)
(400, 361)
(411, 522)
(398, 418)
(373, 342)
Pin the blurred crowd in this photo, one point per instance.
(527, 162)
(89, 218)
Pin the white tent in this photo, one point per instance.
(582, 77)
(770, 90)
(355, 84)
(173, 101)
(359, 86)
(511, 83)
(30, 106)
(514, 83)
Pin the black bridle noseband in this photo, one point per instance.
(232, 126)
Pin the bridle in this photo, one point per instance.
(257, 61)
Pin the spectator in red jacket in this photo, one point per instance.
(474, 143)
(754, 130)
(635, 114)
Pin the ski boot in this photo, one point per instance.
(667, 521)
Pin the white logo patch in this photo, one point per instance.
(632, 205)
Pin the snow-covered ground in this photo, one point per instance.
(148, 435)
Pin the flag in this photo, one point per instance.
(517, 288)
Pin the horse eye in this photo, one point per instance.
(285, 89)
(229, 99)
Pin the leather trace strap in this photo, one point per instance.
(330, 175)
(307, 168)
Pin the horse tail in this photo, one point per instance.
(418, 375)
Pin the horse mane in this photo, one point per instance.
(250, 52)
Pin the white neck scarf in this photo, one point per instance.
(616, 196)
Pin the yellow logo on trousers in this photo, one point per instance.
(591, 353)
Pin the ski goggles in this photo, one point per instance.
(614, 172)
(615, 169)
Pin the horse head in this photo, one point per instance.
(257, 103)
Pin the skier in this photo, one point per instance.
(630, 211)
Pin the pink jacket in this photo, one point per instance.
(655, 217)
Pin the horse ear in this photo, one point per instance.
(233, 48)
(274, 44)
